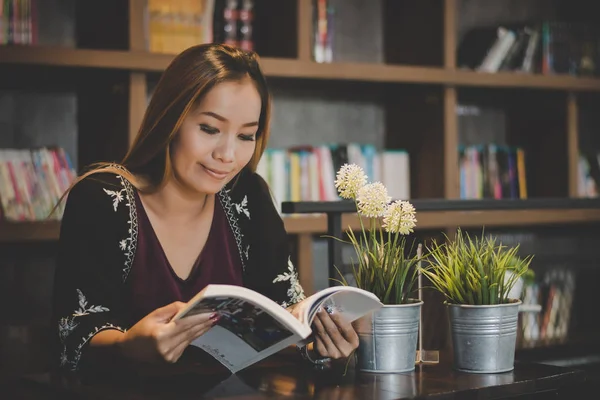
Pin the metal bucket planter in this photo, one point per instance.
(388, 338)
(484, 337)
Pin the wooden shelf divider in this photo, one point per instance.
(300, 224)
(451, 141)
(450, 34)
(450, 219)
(573, 143)
(304, 30)
(143, 61)
(21, 232)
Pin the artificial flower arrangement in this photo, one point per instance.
(476, 276)
(383, 266)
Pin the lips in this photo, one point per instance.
(215, 173)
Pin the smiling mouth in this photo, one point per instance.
(216, 173)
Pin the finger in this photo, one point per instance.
(331, 328)
(179, 342)
(175, 331)
(330, 347)
(193, 334)
(174, 355)
(195, 331)
(345, 328)
(183, 331)
(344, 347)
(193, 320)
(164, 314)
(320, 347)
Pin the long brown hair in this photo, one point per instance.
(184, 83)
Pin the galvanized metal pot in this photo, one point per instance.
(484, 337)
(388, 338)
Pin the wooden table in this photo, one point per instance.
(285, 378)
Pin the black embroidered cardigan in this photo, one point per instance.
(97, 247)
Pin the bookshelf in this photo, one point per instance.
(417, 79)
(16, 232)
(143, 62)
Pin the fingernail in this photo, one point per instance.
(329, 309)
(319, 309)
(213, 315)
(216, 320)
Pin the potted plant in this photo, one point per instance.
(384, 266)
(476, 277)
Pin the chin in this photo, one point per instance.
(210, 189)
(199, 183)
(206, 186)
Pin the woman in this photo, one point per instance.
(183, 209)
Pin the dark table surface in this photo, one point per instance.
(285, 377)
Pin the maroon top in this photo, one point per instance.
(153, 282)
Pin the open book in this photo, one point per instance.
(253, 327)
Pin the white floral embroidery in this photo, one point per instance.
(129, 244)
(89, 310)
(77, 356)
(228, 207)
(243, 207)
(133, 228)
(63, 357)
(67, 325)
(295, 292)
(117, 196)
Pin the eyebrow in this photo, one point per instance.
(221, 118)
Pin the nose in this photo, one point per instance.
(225, 149)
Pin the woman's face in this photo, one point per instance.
(218, 137)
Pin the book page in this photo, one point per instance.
(350, 305)
(199, 304)
(243, 335)
(352, 302)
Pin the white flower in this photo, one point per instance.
(399, 217)
(372, 200)
(350, 178)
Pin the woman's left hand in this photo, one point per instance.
(334, 338)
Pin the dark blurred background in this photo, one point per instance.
(438, 99)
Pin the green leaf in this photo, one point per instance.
(470, 270)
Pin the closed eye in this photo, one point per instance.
(248, 138)
(209, 129)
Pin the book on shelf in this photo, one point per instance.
(322, 22)
(308, 173)
(554, 296)
(18, 22)
(252, 326)
(492, 171)
(175, 25)
(32, 181)
(545, 46)
(588, 175)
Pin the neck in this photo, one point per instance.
(178, 202)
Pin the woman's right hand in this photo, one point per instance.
(157, 338)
